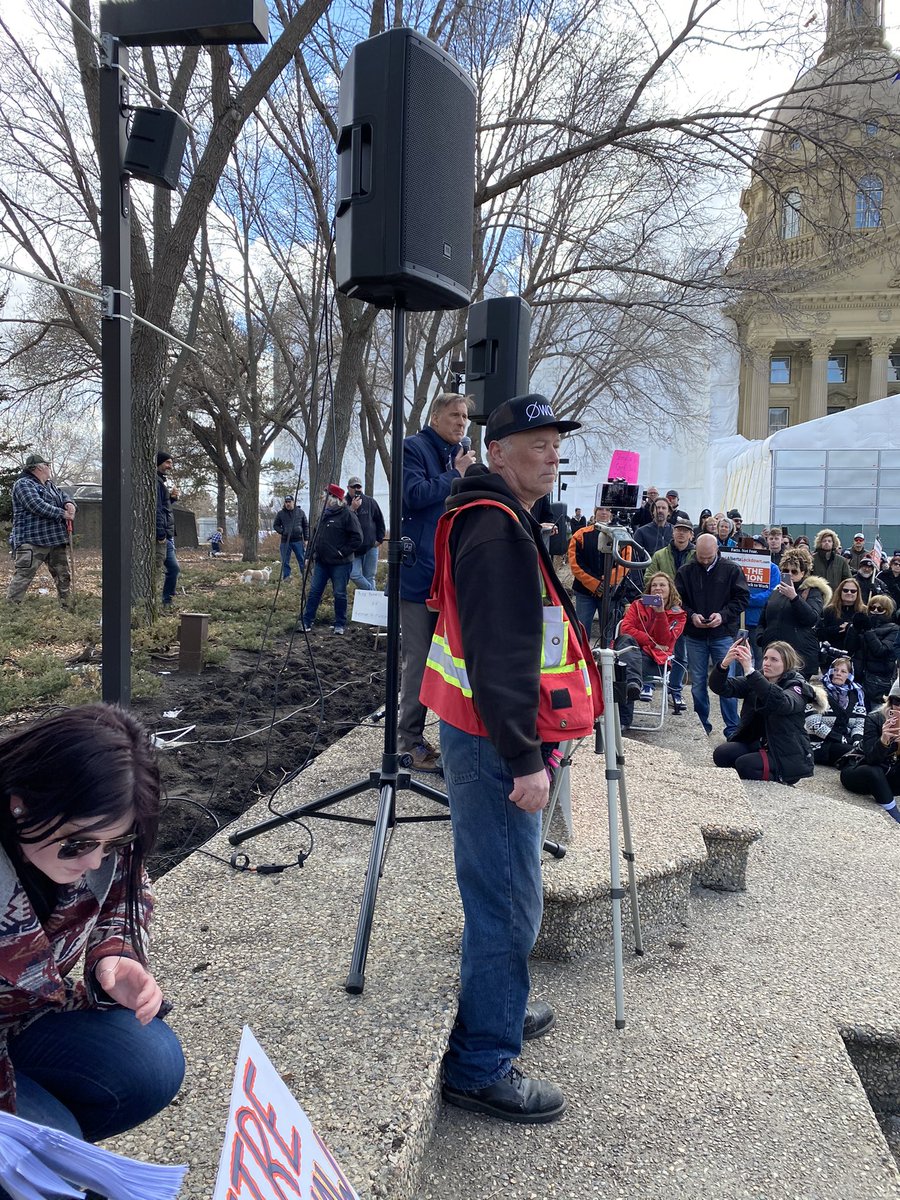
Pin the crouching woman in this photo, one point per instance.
(876, 772)
(771, 742)
(78, 813)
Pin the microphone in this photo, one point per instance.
(465, 444)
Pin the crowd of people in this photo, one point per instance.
(810, 644)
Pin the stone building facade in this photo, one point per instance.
(819, 326)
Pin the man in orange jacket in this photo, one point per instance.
(511, 676)
(586, 564)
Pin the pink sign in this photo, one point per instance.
(625, 464)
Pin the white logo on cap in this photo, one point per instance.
(538, 410)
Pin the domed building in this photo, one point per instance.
(819, 324)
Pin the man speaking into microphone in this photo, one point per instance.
(432, 460)
(510, 674)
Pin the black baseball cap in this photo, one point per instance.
(521, 414)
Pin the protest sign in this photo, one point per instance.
(271, 1150)
(370, 608)
(757, 568)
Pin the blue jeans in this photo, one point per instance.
(94, 1073)
(497, 849)
(703, 654)
(585, 607)
(286, 549)
(165, 558)
(338, 574)
(364, 567)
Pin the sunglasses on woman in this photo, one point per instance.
(876, 608)
(79, 847)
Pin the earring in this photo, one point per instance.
(18, 811)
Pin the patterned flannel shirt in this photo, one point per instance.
(36, 960)
(38, 513)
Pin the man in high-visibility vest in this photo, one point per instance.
(511, 675)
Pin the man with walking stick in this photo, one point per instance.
(510, 674)
(41, 516)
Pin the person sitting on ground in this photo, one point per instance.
(840, 727)
(828, 562)
(724, 532)
(877, 772)
(872, 642)
(888, 582)
(78, 817)
(654, 623)
(865, 577)
(771, 742)
(794, 610)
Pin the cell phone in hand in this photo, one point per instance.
(743, 635)
(652, 601)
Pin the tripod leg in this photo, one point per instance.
(610, 733)
(356, 978)
(629, 847)
(555, 848)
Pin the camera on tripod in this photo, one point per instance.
(620, 496)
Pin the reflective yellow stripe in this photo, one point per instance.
(451, 670)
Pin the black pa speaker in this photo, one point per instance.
(156, 146)
(559, 541)
(406, 175)
(497, 343)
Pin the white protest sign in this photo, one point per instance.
(271, 1150)
(757, 568)
(370, 608)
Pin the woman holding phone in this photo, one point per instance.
(794, 610)
(877, 772)
(771, 742)
(654, 623)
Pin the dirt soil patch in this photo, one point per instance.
(249, 723)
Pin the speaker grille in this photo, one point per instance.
(439, 141)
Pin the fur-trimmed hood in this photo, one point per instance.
(823, 533)
(821, 585)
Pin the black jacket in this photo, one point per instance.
(165, 517)
(873, 643)
(292, 524)
(888, 584)
(875, 753)
(653, 537)
(796, 621)
(722, 589)
(371, 522)
(774, 715)
(336, 537)
(501, 613)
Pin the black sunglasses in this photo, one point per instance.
(79, 847)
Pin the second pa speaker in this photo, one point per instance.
(498, 337)
(406, 175)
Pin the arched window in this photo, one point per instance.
(869, 199)
(791, 214)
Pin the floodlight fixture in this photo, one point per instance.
(185, 22)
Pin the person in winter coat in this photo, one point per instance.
(336, 538)
(793, 611)
(725, 533)
(837, 620)
(828, 562)
(872, 641)
(840, 727)
(292, 526)
(857, 551)
(653, 624)
(888, 583)
(877, 772)
(771, 742)
(657, 532)
(865, 577)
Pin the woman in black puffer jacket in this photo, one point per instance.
(771, 741)
(794, 609)
(872, 640)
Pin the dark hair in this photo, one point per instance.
(93, 764)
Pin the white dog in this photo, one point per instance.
(260, 577)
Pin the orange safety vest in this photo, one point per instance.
(571, 696)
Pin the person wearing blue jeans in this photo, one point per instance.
(510, 674)
(365, 565)
(334, 542)
(371, 522)
(165, 528)
(293, 527)
(714, 593)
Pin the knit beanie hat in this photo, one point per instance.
(162, 456)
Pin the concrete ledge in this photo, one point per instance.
(273, 952)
